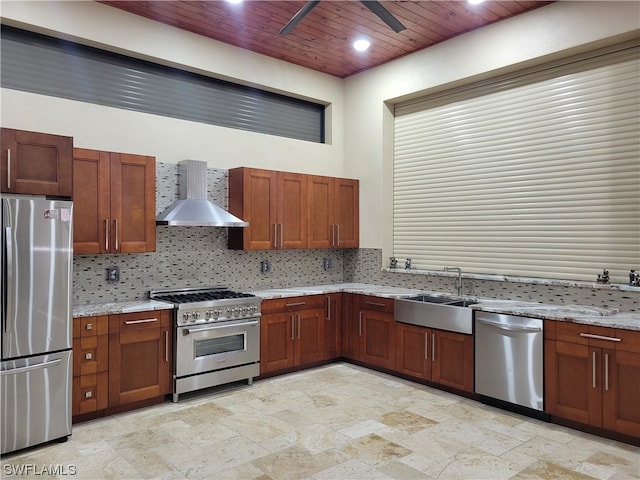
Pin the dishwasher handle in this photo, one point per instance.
(510, 327)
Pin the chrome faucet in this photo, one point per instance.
(459, 281)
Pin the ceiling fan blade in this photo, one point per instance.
(298, 17)
(384, 15)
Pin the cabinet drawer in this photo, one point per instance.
(90, 326)
(90, 355)
(136, 321)
(90, 393)
(292, 304)
(378, 304)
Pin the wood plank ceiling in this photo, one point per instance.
(323, 40)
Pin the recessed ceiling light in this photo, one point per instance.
(361, 45)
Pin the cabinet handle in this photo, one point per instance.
(166, 346)
(88, 394)
(426, 346)
(338, 236)
(299, 322)
(106, 234)
(275, 235)
(593, 375)
(89, 326)
(433, 347)
(606, 371)
(600, 337)
(117, 243)
(295, 304)
(328, 308)
(360, 324)
(293, 333)
(133, 322)
(9, 169)
(281, 235)
(375, 304)
(88, 356)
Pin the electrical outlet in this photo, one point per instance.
(327, 263)
(265, 266)
(113, 274)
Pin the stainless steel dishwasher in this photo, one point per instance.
(509, 362)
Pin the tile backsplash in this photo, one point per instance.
(198, 256)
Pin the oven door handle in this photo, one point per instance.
(187, 331)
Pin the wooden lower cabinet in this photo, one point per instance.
(119, 360)
(139, 356)
(592, 376)
(369, 330)
(291, 332)
(445, 358)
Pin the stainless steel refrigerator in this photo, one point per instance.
(36, 369)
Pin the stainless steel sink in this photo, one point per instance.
(443, 313)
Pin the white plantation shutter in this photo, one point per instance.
(535, 175)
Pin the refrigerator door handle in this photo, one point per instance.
(8, 308)
(30, 367)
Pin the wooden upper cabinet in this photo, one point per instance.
(275, 205)
(114, 202)
(333, 212)
(291, 210)
(36, 163)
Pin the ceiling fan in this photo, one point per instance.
(372, 5)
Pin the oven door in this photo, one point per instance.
(204, 348)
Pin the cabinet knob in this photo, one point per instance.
(89, 326)
(88, 356)
(88, 394)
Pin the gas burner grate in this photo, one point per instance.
(201, 296)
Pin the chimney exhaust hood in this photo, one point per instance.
(194, 209)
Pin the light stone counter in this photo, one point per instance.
(607, 317)
(119, 307)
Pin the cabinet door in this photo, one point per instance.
(309, 344)
(412, 348)
(139, 356)
(36, 163)
(277, 335)
(573, 382)
(378, 338)
(321, 212)
(452, 355)
(351, 327)
(133, 203)
(252, 197)
(621, 392)
(333, 326)
(291, 216)
(91, 195)
(347, 213)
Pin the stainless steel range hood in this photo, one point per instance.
(194, 209)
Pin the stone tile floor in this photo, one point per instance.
(339, 421)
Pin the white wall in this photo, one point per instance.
(171, 140)
(551, 31)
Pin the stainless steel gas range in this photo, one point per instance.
(216, 337)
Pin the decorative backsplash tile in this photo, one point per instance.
(198, 256)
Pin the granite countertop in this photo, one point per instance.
(606, 317)
(119, 307)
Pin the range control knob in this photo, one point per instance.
(185, 316)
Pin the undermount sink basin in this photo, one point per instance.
(430, 299)
(443, 313)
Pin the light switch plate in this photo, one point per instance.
(113, 274)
